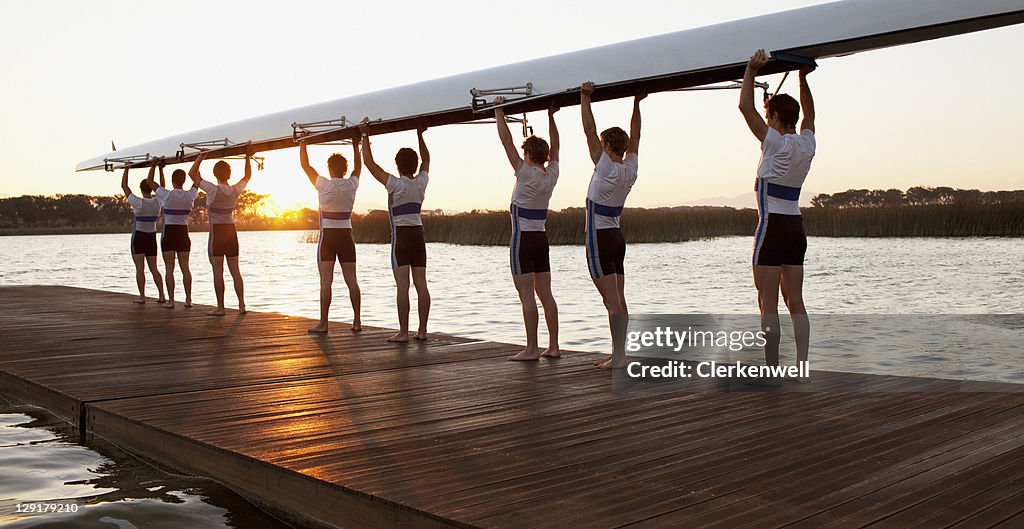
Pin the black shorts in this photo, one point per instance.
(144, 242)
(336, 243)
(780, 240)
(175, 238)
(529, 252)
(606, 252)
(223, 240)
(408, 247)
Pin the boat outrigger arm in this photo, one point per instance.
(315, 131)
(120, 162)
(685, 59)
(219, 147)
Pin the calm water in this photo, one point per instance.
(473, 296)
(44, 460)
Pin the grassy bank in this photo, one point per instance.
(947, 220)
(665, 224)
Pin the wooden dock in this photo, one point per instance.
(351, 431)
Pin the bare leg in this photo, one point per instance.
(154, 269)
(419, 278)
(612, 289)
(542, 285)
(525, 285)
(402, 299)
(218, 284)
(766, 279)
(236, 278)
(169, 278)
(792, 286)
(348, 270)
(186, 277)
(326, 290)
(140, 276)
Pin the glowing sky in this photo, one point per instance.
(78, 74)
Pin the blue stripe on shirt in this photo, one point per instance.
(531, 214)
(783, 192)
(409, 208)
(606, 211)
(336, 215)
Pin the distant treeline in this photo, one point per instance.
(915, 196)
(93, 213)
(918, 212)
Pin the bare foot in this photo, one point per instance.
(188, 303)
(356, 327)
(169, 305)
(161, 301)
(421, 336)
(400, 337)
(219, 311)
(140, 301)
(527, 355)
(241, 309)
(611, 363)
(552, 352)
(319, 329)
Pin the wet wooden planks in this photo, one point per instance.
(350, 430)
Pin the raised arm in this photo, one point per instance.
(747, 108)
(152, 173)
(505, 136)
(248, 165)
(357, 162)
(553, 132)
(424, 153)
(634, 125)
(311, 173)
(163, 181)
(589, 125)
(380, 174)
(806, 101)
(193, 172)
(124, 182)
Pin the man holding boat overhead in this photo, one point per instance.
(408, 246)
(531, 269)
(336, 196)
(221, 199)
(780, 242)
(175, 242)
(147, 211)
(615, 169)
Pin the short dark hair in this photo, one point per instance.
(787, 108)
(406, 159)
(536, 148)
(616, 139)
(337, 165)
(145, 187)
(178, 177)
(222, 170)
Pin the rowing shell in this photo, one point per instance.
(687, 58)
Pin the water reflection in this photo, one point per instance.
(45, 461)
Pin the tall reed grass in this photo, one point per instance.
(694, 223)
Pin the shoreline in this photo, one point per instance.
(641, 225)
